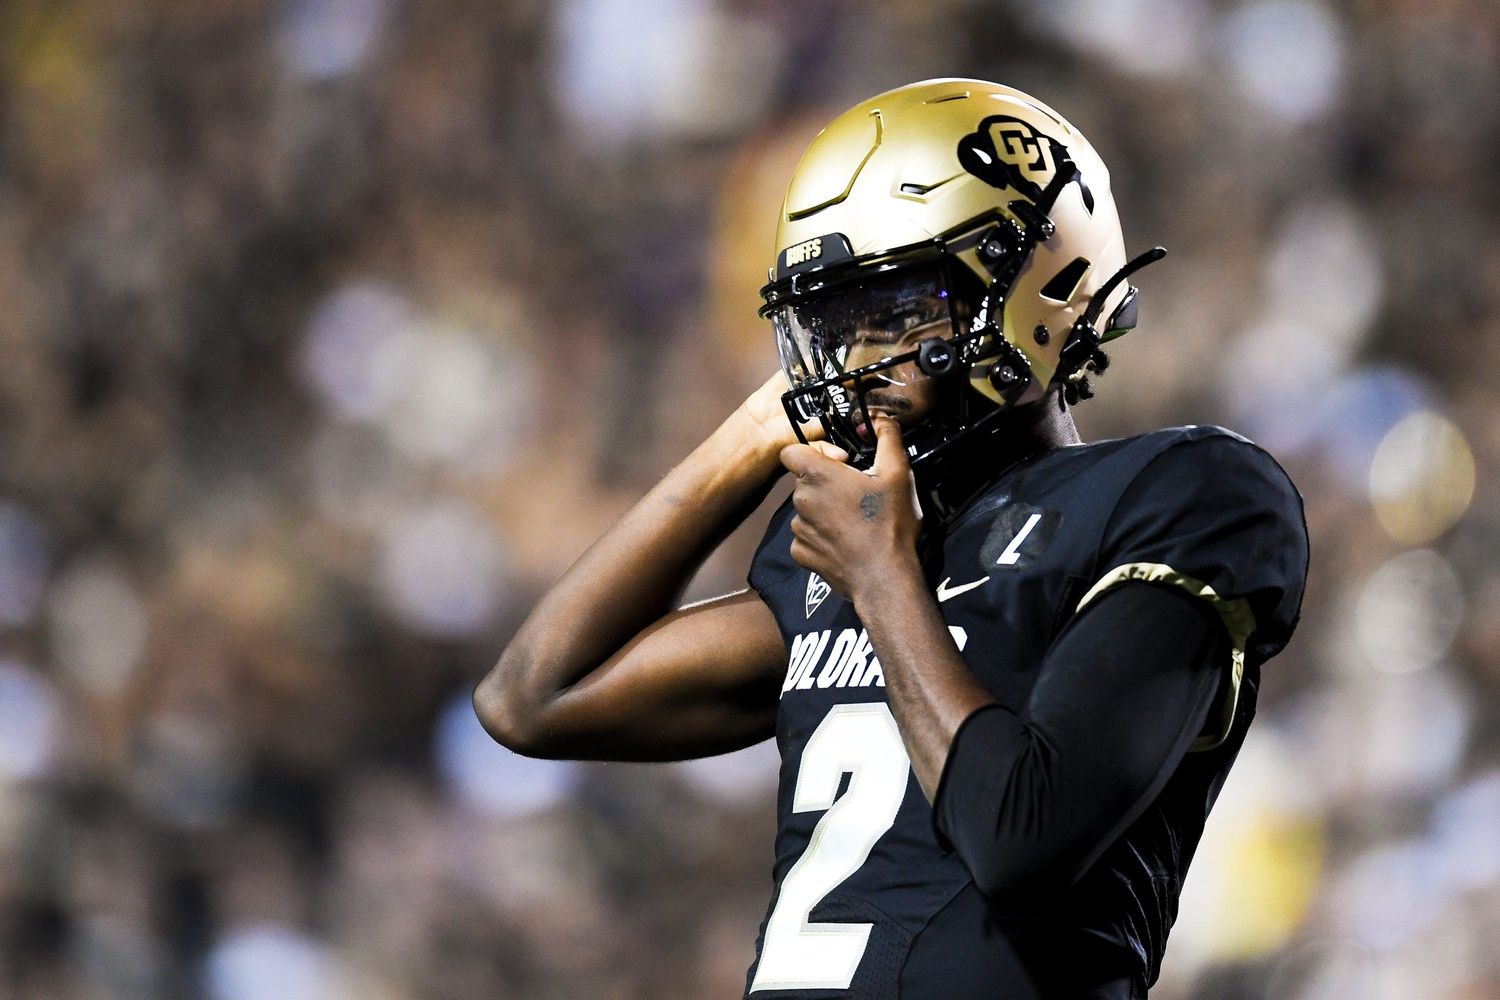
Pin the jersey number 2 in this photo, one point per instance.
(863, 741)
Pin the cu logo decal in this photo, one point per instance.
(1016, 144)
(1006, 152)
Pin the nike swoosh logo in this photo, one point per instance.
(944, 592)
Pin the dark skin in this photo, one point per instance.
(605, 668)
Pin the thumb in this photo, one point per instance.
(890, 452)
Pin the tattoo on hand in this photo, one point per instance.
(871, 504)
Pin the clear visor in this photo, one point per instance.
(860, 324)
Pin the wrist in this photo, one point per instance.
(897, 578)
(751, 443)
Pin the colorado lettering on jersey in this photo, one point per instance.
(850, 660)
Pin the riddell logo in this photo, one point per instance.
(817, 591)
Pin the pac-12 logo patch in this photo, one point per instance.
(817, 591)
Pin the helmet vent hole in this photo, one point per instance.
(948, 97)
(1065, 282)
(914, 188)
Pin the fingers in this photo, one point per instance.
(831, 451)
(799, 459)
(890, 452)
(775, 385)
(802, 460)
(802, 551)
(768, 399)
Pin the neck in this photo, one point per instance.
(1023, 433)
(1036, 428)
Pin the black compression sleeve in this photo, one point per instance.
(1031, 796)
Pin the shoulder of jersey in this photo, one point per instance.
(1233, 447)
(1204, 462)
(1160, 440)
(1119, 460)
(1139, 449)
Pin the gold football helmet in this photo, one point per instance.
(949, 230)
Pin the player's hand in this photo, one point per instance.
(852, 528)
(766, 418)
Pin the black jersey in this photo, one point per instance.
(870, 900)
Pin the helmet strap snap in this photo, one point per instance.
(1010, 374)
(935, 357)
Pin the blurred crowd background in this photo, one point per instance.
(331, 331)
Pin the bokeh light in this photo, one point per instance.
(354, 351)
(1421, 478)
(98, 625)
(269, 962)
(1152, 38)
(1287, 57)
(735, 778)
(443, 570)
(1409, 612)
(30, 722)
(25, 561)
(1463, 833)
(328, 38)
(490, 778)
(712, 72)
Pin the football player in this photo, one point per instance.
(1007, 671)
